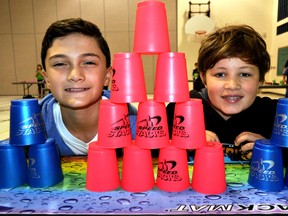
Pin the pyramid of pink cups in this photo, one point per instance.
(171, 85)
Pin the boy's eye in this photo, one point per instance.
(219, 74)
(245, 75)
(58, 64)
(89, 63)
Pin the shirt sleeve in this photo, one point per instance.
(285, 71)
(286, 64)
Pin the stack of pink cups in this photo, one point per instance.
(113, 132)
(171, 85)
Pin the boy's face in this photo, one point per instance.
(232, 86)
(76, 71)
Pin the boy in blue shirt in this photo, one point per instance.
(76, 59)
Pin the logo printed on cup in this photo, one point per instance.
(26, 123)
(178, 129)
(280, 125)
(120, 128)
(33, 171)
(44, 165)
(148, 127)
(30, 126)
(266, 169)
(114, 125)
(188, 130)
(173, 171)
(263, 170)
(114, 86)
(167, 171)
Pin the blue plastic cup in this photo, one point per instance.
(26, 124)
(13, 166)
(280, 129)
(266, 168)
(44, 165)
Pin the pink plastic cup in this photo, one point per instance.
(173, 173)
(113, 125)
(209, 169)
(151, 29)
(152, 126)
(102, 169)
(171, 81)
(128, 76)
(188, 126)
(137, 169)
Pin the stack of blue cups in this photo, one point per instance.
(280, 130)
(267, 167)
(27, 130)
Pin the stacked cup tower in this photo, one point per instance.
(27, 131)
(268, 158)
(151, 37)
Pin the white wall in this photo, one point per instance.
(23, 24)
(260, 14)
(277, 42)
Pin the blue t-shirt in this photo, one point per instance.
(46, 106)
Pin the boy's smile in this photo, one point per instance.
(232, 86)
(76, 70)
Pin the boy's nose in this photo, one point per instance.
(232, 83)
(76, 74)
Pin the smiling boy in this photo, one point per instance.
(76, 59)
(233, 62)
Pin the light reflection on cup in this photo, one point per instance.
(171, 81)
(13, 165)
(151, 28)
(128, 75)
(26, 124)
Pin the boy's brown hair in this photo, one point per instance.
(235, 41)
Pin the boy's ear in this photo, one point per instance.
(203, 78)
(44, 73)
(260, 83)
(108, 76)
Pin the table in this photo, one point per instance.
(71, 197)
(26, 87)
(273, 86)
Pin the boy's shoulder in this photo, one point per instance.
(106, 93)
(267, 100)
(285, 72)
(264, 105)
(48, 100)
